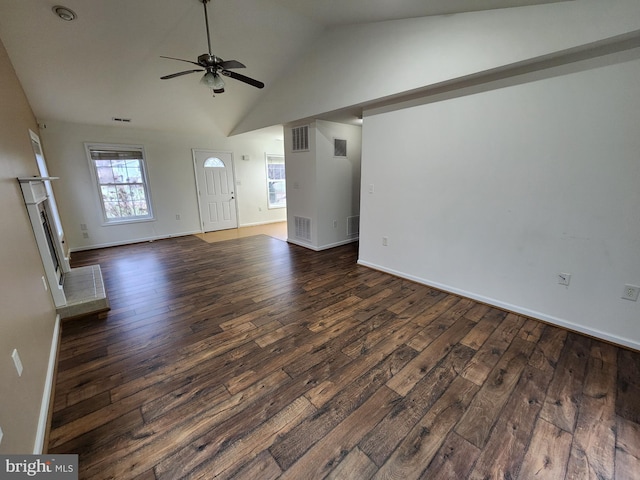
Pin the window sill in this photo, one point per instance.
(127, 222)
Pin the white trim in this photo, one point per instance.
(151, 217)
(284, 180)
(323, 247)
(38, 445)
(255, 224)
(195, 177)
(132, 241)
(512, 308)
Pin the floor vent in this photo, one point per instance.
(303, 228)
(353, 226)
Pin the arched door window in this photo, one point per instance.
(213, 162)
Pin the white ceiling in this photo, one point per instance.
(343, 12)
(107, 62)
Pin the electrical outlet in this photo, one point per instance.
(85, 235)
(83, 226)
(564, 278)
(335, 224)
(17, 361)
(631, 292)
(177, 216)
(385, 241)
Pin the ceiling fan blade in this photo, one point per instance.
(242, 78)
(173, 75)
(231, 64)
(180, 59)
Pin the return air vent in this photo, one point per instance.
(300, 138)
(353, 226)
(339, 148)
(303, 228)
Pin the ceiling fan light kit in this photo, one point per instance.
(212, 80)
(213, 66)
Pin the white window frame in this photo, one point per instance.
(97, 185)
(271, 206)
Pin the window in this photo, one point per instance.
(213, 162)
(121, 178)
(276, 184)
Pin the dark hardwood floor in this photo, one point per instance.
(256, 359)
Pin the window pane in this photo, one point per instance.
(213, 162)
(122, 184)
(277, 192)
(105, 174)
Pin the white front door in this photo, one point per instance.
(216, 190)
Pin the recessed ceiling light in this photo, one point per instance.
(64, 13)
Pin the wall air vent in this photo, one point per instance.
(303, 228)
(353, 226)
(300, 138)
(339, 148)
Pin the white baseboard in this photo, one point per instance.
(131, 242)
(38, 446)
(257, 224)
(512, 308)
(322, 247)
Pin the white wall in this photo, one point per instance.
(171, 178)
(302, 185)
(356, 64)
(338, 181)
(322, 187)
(492, 195)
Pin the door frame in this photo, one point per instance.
(195, 176)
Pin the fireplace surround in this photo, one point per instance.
(75, 291)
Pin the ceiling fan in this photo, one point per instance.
(214, 66)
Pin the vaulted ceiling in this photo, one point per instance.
(106, 63)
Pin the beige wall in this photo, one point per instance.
(27, 314)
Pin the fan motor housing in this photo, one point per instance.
(208, 60)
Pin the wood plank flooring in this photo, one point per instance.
(276, 230)
(256, 359)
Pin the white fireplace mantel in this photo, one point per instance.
(75, 291)
(33, 189)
